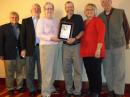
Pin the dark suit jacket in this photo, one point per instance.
(9, 42)
(27, 36)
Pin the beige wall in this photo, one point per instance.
(2, 70)
(23, 8)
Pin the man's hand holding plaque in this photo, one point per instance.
(65, 31)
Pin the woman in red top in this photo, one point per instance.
(92, 49)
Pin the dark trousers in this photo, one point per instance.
(93, 70)
(31, 63)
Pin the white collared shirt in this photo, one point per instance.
(35, 20)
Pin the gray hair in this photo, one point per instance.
(36, 4)
(14, 13)
(49, 4)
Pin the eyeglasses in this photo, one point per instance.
(49, 8)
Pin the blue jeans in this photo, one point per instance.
(31, 63)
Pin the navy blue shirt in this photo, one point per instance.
(77, 21)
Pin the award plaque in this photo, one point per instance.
(65, 31)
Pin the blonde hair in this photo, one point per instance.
(93, 6)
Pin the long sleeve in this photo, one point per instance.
(23, 35)
(100, 27)
(81, 26)
(40, 31)
(45, 29)
(1, 41)
(126, 28)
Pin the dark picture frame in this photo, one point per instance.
(65, 30)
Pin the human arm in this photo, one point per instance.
(126, 28)
(80, 29)
(72, 40)
(45, 32)
(100, 27)
(1, 42)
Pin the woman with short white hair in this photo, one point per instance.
(47, 31)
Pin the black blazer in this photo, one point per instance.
(9, 42)
(27, 36)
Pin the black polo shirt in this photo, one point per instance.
(77, 21)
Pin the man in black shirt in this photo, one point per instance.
(71, 52)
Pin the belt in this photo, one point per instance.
(75, 43)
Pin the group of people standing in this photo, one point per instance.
(96, 40)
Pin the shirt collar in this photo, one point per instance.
(110, 12)
(70, 17)
(16, 25)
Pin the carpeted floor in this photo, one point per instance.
(59, 93)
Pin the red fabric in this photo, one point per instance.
(94, 32)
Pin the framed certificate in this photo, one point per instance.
(65, 31)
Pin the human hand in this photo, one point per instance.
(98, 50)
(1, 57)
(71, 40)
(97, 53)
(55, 39)
(23, 53)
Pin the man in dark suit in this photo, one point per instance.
(9, 52)
(30, 49)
